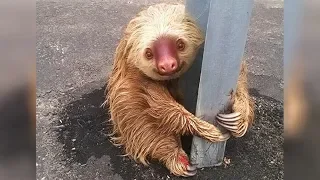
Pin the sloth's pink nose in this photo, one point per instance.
(167, 66)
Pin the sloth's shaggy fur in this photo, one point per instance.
(243, 103)
(147, 119)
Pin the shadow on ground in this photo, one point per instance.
(83, 130)
(258, 155)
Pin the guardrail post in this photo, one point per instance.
(215, 72)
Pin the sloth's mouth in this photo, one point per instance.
(173, 74)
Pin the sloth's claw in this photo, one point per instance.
(233, 122)
(188, 170)
(191, 168)
(230, 121)
(229, 127)
(230, 117)
(189, 173)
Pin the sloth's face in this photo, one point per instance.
(165, 43)
(168, 57)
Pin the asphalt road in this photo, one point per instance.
(75, 45)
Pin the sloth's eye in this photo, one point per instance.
(149, 54)
(180, 45)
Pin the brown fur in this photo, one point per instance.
(243, 103)
(147, 118)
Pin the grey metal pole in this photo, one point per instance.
(215, 72)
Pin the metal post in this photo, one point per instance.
(215, 72)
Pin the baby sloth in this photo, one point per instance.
(159, 45)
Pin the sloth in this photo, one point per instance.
(158, 45)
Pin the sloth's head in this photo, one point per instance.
(163, 41)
